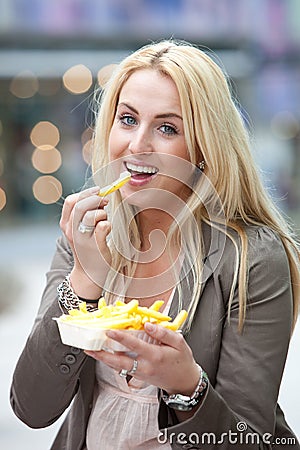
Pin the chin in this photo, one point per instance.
(154, 198)
(140, 199)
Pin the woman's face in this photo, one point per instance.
(147, 137)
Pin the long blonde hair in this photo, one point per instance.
(213, 128)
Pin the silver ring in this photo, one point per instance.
(123, 373)
(85, 228)
(134, 367)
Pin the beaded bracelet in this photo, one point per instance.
(69, 300)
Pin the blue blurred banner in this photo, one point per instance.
(273, 23)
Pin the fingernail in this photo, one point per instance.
(150, 327)
(112, 334)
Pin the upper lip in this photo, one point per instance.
(139, 166)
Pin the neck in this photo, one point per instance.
(153, 220)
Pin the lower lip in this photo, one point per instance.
(141, 180)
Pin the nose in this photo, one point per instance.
(141, 141)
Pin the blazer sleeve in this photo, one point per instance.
(242, 398)
(46, 375)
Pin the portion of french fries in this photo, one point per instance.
(129, 316)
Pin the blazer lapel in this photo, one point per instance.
(214, 243)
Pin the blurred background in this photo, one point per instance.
(53, 55)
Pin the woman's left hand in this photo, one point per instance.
(169, 366)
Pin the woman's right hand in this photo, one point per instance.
(92, 257)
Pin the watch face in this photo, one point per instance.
(181, 406)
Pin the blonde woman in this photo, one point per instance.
(193, 227)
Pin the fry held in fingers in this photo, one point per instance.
(123, 179)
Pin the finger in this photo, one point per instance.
(102, 230)
(164, 336)
(91, 218)
(91, 202)
(88, 192)
(136, 345)
(129, 340)
(67, 209)
(71, 201)
(116, 361)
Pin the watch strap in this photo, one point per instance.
(186, 403)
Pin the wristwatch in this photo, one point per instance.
(184, 402)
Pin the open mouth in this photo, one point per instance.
(140, 173)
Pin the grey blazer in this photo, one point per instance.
(240, 409)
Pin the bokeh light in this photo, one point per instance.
(285, 125)
(86, 135)
(45, 135)
(86, 140)
(46, 160)
(2, 199)
(47, 189)
(24, 85)
(78, 79)
(105, 73)
(87, 152)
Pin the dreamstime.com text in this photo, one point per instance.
(239, 437)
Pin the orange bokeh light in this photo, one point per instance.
(24, 85)
(46, 160)
(78, 79)
(2, 199)
(45, 134)
(47, 189)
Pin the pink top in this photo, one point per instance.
(124, 414)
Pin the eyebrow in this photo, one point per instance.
(159, 116)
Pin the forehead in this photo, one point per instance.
(152, 86)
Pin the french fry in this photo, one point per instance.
(120, 303)
(131, 307)
(101, 303)
(177, 322)
(82, 307)
(123, 178)
(156, 305)
(123, 316)
(151, 313)
(122, 322)
(180, 318)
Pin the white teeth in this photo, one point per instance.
(141, 169)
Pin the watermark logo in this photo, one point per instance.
(241, 426)
(242, 436)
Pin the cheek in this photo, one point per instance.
(111, 147)
(115, 144)
(182, 151)
(177, 148)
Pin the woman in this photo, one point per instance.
(194, 228)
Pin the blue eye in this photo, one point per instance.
(127, 119)
(168, 129)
